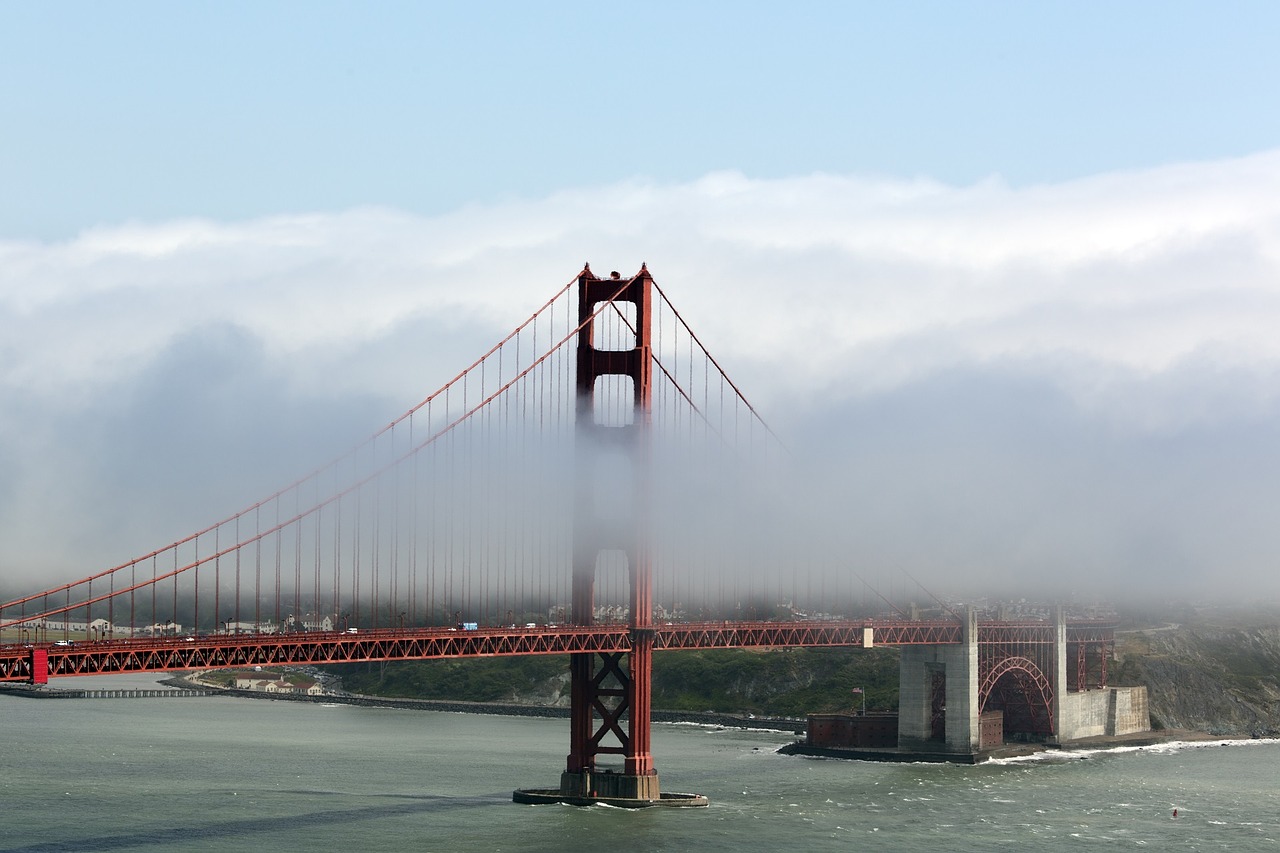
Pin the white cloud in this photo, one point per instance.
(1148, 300)
(1134, 270)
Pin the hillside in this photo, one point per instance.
(1211, 671)
(1215, 672)
(785, 682)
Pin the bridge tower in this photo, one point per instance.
(610, 691)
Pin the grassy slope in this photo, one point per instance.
(782, 682)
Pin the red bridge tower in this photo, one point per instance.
(610, 699)
(610, 691)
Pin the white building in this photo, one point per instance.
(310, 622)
(248, 628)
(279, 685)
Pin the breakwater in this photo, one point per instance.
(184, 692)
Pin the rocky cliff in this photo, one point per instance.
(1218, 673)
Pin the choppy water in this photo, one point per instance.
(232, 774)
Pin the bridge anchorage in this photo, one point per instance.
(610, 691)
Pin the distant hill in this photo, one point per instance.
(1206, 670)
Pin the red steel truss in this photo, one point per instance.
(733, 635)
(204, 652)
(162, 655)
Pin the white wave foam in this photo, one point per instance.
(1165, 748)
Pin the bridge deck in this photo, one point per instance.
(217, 652)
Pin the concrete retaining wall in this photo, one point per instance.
(1129, 710)
(1110, 711)
(1083, 714)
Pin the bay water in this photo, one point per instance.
(219, 773)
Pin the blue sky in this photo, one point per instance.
(1010, 270)
(150, 111)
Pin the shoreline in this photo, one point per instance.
(181, 685)
(1014, 751)
(502, 709)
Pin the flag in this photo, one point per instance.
(857, 690)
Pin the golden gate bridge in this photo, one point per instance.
(593, 485)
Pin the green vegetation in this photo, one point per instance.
(227, 677)
(783, 682)
(469, 680)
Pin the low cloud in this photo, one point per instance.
(1072, 385)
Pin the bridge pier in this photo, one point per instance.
(963, 699)
(1058, 676)
(938, 709)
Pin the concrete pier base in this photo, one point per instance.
(938, 696)
(589, 788)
